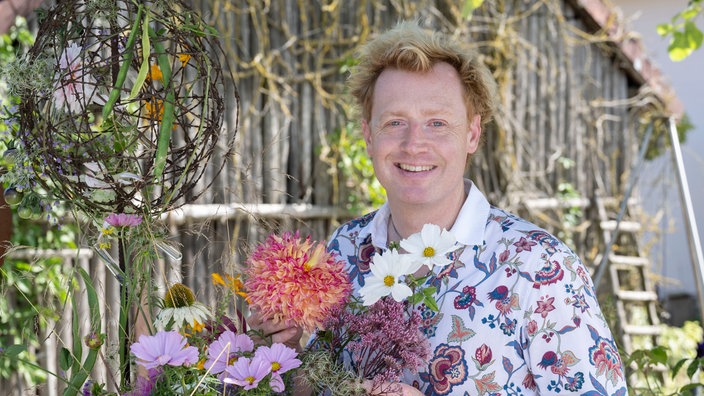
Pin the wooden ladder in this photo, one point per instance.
(628, 280)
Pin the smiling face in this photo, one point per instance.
(419, 136)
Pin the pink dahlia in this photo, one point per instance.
(288, 278)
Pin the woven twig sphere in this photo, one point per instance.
(129, 112)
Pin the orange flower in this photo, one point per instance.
(234, 283)
(155, 73)
(288, 278)
(184, 58)
(154, 109)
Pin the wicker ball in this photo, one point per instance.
(128, 114)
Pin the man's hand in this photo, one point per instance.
(282, 332)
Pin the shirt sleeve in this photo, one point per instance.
(568, 344)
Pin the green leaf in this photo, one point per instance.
(93, 303)
(664, 29)
(676, 368)
(431, 303)
(689, 387)
(693, 34)
(416, 298)
(659, 355)
(469, 6)
(679, 47)
(144, 67)
(693, 367)
(124, 68)
(13, 351)
(65, 359)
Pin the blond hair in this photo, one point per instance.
(409, 47)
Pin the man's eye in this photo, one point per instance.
(394, 123)
(437, 123)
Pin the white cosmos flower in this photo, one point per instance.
(388, 272)
(75, 86)
(430, 246)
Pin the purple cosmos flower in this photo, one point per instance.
(165, 347)
(123, 220)
(281, 357)
(247, 373)
(226, 350)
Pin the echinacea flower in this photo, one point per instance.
(165, 347)
(387, 276)
(431, 246)
(123, 220)
(247, 372)
(226, 350)
(181, 307)
(295, 279)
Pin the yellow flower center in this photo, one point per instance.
(232, 360)
(389, 280)
(179, 296)
(428, 252)
(250, 379)
(275, 366)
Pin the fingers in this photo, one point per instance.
(284, 332)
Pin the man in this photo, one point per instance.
(517, 309)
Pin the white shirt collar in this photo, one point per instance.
(468, 228)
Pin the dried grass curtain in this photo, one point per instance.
(568, 114)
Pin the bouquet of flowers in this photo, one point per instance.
(359, 344)
(370, 343)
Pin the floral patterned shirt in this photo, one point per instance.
(518, 311)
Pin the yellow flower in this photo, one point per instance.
(233, 283)
(154, 109)
(184, 58)
(155, 73)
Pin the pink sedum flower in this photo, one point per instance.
(165, 347)
(123, 220)
(289, 278)
(247, 373)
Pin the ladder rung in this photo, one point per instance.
(625, 226)
(636, 295)
(629, 260)
(642, 330)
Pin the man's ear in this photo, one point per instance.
(474, 134)
(367, 133)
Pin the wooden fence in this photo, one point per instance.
(568, 129)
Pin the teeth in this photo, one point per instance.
(414, 168)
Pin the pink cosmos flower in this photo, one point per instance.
(247, 373)
(123, 220)
(226, 350)
(165, 347)
(281, 357)
(295, 279)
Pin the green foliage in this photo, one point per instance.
(31, 292)
(349, 151)
(685, 36)
(670, 368)
(469, 6)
